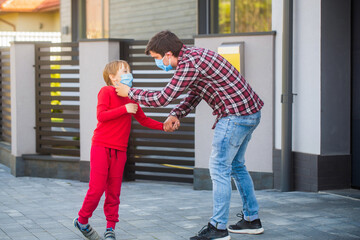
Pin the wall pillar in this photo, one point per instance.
(94, 55)
(22, 75)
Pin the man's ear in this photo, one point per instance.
(169, 53)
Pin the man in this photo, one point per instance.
(205, 75)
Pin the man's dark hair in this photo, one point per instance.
(164, 42)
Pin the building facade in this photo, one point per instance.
(325, 55)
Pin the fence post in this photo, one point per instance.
(93, 56)
(22, 75)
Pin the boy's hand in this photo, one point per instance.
(131, 108)
(122, 90)
(171, 124)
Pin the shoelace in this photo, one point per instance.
(240, 215)
(205, 229)
(109, 234)
(86, 229)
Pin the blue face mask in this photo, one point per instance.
(127, 79)
(161, 65)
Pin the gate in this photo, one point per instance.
(152, 154)
(5, 102)
(57, 98)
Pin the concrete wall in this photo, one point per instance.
(259, 72)
(142, 19)
(22, 74)
(94, 55)
(306, 74)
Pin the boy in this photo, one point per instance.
(108, 150)
(208, 76)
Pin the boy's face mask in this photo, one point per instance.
(161, 65)
(127, 79)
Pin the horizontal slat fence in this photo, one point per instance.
(153, 154)
(5, 108)
(57, 98)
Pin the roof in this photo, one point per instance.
(29, 5)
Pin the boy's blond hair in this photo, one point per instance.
(113, 68)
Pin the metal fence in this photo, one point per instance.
(5, 101)
(152, 154)
(57, 98)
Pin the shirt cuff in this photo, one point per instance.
(131, 94)
(173, 113)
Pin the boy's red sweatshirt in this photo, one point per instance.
(114, 122)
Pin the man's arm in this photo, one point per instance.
(172, 123)
(187, 105)
(183, 77)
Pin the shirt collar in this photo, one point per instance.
(181, 53)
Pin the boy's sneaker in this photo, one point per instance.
(88, 231)
(243, 226)
(210, 232)
(109, 234)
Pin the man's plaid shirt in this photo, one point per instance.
(204, 74)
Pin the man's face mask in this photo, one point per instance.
(127, 79)
(161, 65)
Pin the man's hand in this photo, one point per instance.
(122, 90)
(171, 124)
(131, 108)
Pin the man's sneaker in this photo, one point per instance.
(88, 232)
(210, 232)
(243, 226)
(109, 234)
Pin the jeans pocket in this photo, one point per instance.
(241, 129)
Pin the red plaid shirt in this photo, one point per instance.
(205, 75)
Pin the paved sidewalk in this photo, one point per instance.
(40, 208)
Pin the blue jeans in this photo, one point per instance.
(231, 137)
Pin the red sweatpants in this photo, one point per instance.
(106, 172)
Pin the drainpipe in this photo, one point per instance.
(287, 98)
(8, 23)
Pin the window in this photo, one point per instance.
(97, 19)
(234, 16)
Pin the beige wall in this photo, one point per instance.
(259, 72)
(142, 19)
(31, 22)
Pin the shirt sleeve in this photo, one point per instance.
(185, 74)
(146, 121)
(187, 105)
(103, 112)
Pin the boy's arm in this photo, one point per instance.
(146, 121)
(103, 112)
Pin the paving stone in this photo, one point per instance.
(43, 209)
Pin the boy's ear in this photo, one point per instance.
(112, 77)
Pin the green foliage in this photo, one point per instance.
(224, 16)
(250, 16)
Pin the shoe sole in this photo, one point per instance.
(247, 231)
(223, 238)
